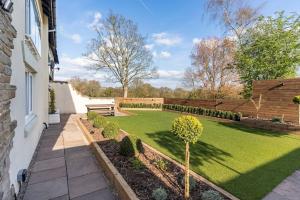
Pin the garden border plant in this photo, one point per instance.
(204, 111)
(141, 105)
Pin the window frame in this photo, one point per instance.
(28, 95)
(31, 8)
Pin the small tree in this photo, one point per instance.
(189, 129)
(296, 100)
(52, 108)
(258, 105)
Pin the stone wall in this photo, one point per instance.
(7, 92)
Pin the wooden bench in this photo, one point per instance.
(103, 109)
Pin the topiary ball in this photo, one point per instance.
(296, 99)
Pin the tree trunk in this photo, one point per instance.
(125, 91)
(187, 172)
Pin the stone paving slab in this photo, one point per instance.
(64, 167)
(288, 189)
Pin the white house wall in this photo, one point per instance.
(25, 142)
(69, 101)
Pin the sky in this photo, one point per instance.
(171, 27)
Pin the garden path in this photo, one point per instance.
(64, 168)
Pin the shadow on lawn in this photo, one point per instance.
(258, 182)
(200, 152)
(240, 127)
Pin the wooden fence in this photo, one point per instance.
(276, 100)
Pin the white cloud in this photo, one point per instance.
(172, 74)
(167, 39)
(96, 21)
(76, 38)
(149, 46)
(165, 54)
(162, 54)
(196, 40)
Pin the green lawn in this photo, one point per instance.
(248, 163)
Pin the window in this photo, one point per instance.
(33, 24)
(28, 85)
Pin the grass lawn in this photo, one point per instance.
(248, 163)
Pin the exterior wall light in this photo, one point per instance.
(7, 5)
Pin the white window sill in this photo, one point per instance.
(30, 122)
(32, 47)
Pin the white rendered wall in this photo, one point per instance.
(24, 145)
(69, 101)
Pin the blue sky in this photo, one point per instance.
(171, 27)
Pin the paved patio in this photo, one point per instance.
(64, 167)
(288, 189)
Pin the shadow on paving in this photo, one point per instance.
(258, 182)
(63, 167)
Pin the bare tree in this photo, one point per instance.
(234, 15)
(120, 49)
(211, 65)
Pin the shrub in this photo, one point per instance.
(99, 121)
(159, 194)
(296, 99)
(211, 195)
(136, 163)
(141, 105)
(91, 115)
(161, 164)
(193, 182)
(276, 120)
(111, 130)
(52, 108)
(139, 146)
(127, 147)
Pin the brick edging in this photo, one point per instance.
(123, 189)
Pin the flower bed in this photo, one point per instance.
(204, 111)
(148, 171)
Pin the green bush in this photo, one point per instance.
(193, 182)
(127, 147)
(139, 146)
(136, 163)
(99, 121)
(161, 164)
(141, 105)
(211, 195)
(111, 130)
(277, 120)
(159, 194)
(203, 111)
(91, 115)
(52, 108)
(296, 99)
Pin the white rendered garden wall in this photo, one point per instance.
(68, 100)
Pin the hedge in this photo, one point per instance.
(141, 105)
(204, 111)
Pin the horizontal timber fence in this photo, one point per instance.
(276, 100)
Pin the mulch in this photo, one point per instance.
(143, 181)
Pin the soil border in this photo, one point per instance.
(123, 189)
(192, 173)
